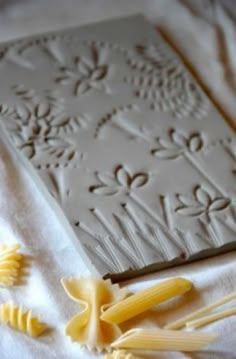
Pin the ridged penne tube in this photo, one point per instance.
(119, 354)
(180, 323)
(160, 339)
(145, 299)
(197, 323)
(9, 264)
(16, 317)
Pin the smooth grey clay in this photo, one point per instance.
(126, 142)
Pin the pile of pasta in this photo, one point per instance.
(104, 306)
(12, 314)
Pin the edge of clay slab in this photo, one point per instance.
(57, 210)
(176, 262)
(115, 277)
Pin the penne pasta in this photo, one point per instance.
(180, 323)
(119, 354)
(145, 299)
(211, 318)
(161, 339)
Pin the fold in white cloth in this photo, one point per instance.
(205, 33)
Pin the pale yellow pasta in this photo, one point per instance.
(18, 318)
(10, 263)
(207, 319)
(161, 339)
(180, 323)
(119, 354)
(92, 294)
(145, 299)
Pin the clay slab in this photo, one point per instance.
(139, 160)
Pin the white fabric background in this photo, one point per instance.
(205, 33)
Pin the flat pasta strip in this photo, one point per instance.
(92, 294)
(160, 339)
(10, 263)
(180, 323)
(197, 323)
(119, 354)
(145, 299)
(17, 318)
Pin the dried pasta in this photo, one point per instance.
(119, 354)
(207, 319)
(145, 299)
(92, 294)
(180, 323)
(10, 263)
(160, 339)
(16, 317)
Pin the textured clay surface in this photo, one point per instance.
(141, 163)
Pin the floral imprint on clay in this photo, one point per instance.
(121, 179)
(177, 144)
(160, 80)
(85, 73)
(40, 123)
(202, 202)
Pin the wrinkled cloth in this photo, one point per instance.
(204, 33)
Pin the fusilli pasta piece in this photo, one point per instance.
(16, 317)
(92, 294)
(10, 263)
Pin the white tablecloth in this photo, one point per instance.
(205, 33)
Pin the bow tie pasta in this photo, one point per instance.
(93, 295)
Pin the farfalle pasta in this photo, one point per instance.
(10, 264)
(16, 317)
(93, 295)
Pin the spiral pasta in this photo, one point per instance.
(18, 318)
(10, 263)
